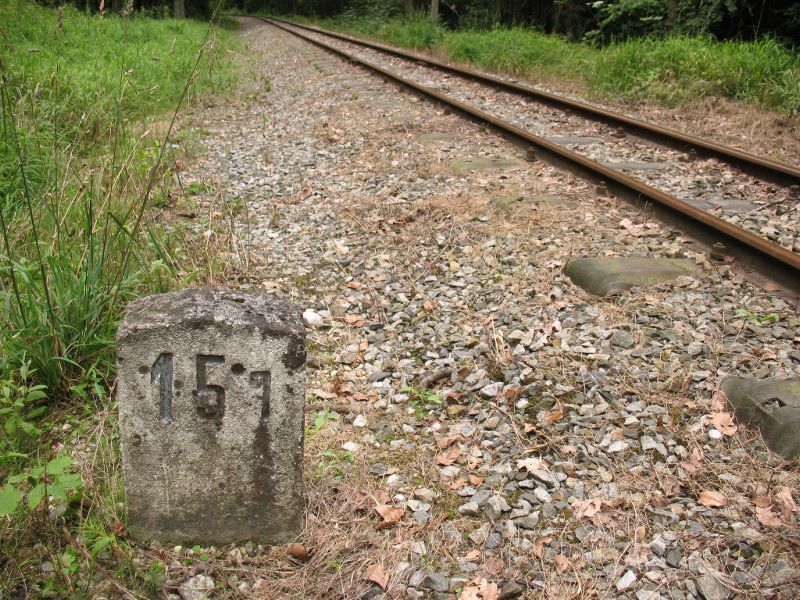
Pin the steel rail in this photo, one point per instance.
(760, 166)
(790, 261)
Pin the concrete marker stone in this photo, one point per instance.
(211, 389)
(772, 405)
(607, 276)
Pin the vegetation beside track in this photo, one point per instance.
(667, 70)
(85, 155)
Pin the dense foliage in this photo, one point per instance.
(602, 20)
(668, 70)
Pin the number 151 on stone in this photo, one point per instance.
(211, 388)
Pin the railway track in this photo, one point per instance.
(718, 195)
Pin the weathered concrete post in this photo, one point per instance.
(211, 389)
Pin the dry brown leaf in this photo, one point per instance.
(355, 321)
(553, 416)
(562, 563)
(785, 503)
(638, 555)
(322, 394)
(586, 509)
(712, 499)
(444, 442)
(539, 544)
(723, 421)
(377, 575)
(531, 464)
(391, 514)
(473, 554)
(381, 496)
(768, 518)
(449, 456)
(297, 551)
(476, 480)
(457, 484)
(493, 565)
(428, 306)
(762, 501)
(353, 285)
(695, 463)
(480, 589)
(719, 402)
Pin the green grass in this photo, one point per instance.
(85, 113)
(668, 71)
(77, 169)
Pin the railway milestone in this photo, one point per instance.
(520, 385)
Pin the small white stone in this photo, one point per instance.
(350, 446)
(360, 421)
(714, 434)
(312, 318)
(618, 446)
(626, 581)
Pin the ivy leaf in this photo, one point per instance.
(9, 499)
(35, 495)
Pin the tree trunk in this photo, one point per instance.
(435, 11)
(179, 9)
(409, 7)
(498, 10)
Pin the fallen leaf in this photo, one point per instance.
(391, 514)
(539, 544)
(428, 306)
(378, 576)
(712, 499)
(785, 503)
(354, 320)
(762, 501)
(444, 442)
(353, 285)
(476, 480)
(322, 394)
(472, 554)
(586, 509)
(457, 484)
(493, 565)
(768, 518)
(480, 589)
(723, 421)
(297, 551)
(562, 563)
(719, 402)
(119, 529)
(531, 464)
(638, 555)
(695, 463)
(381, 496)
(449, 456)
(552, 416)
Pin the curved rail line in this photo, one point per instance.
(774, 261)
(760, 166)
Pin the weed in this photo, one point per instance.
(767, 319)
(423, 400)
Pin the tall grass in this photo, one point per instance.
(669, 70)
(84, 112)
